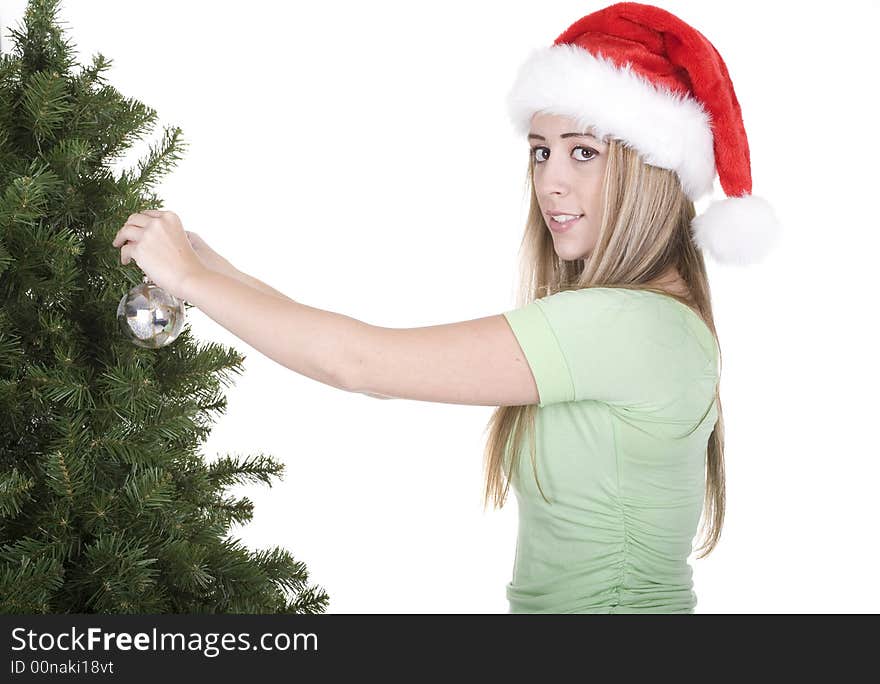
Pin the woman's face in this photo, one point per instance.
(568, 166)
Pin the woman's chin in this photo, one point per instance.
(566, 253)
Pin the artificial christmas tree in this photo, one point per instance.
(105, 504)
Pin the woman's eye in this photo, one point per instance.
(590, 153)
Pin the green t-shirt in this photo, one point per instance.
(626, 381)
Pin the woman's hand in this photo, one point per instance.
(159, 245)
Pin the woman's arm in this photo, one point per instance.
(263, 287)
(477, 362)
(255, 283)
(309, 341)
(213, 261)
(474, 362)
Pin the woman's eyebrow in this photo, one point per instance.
(565, 135)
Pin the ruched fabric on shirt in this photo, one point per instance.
(626, 382)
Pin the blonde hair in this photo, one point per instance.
(644, 230)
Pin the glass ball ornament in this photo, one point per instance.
(149, 316)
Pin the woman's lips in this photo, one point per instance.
(558, 227)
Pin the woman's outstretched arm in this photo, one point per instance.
(476, 362)
(238, 274)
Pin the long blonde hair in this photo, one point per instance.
(644, 230)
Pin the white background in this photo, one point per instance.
(358, 157)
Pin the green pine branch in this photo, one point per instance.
(106, 503)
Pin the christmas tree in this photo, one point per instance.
(106, 505)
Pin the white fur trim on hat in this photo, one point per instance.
(737, 230)
(668, 129)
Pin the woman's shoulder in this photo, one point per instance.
(657, 313)
(628, 297)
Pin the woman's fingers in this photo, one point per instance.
(127, 232)
(127, 236)
(125, 253)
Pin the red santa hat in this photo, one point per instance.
(641, 75)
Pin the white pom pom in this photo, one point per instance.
(737, 230)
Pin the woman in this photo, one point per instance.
(606, 376)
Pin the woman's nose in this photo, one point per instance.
(553, 178)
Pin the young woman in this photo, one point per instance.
(607, 374)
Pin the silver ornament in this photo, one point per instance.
(149, 316)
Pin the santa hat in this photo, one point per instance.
(641, 75)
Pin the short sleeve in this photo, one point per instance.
(543, 352)
(604, 344)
